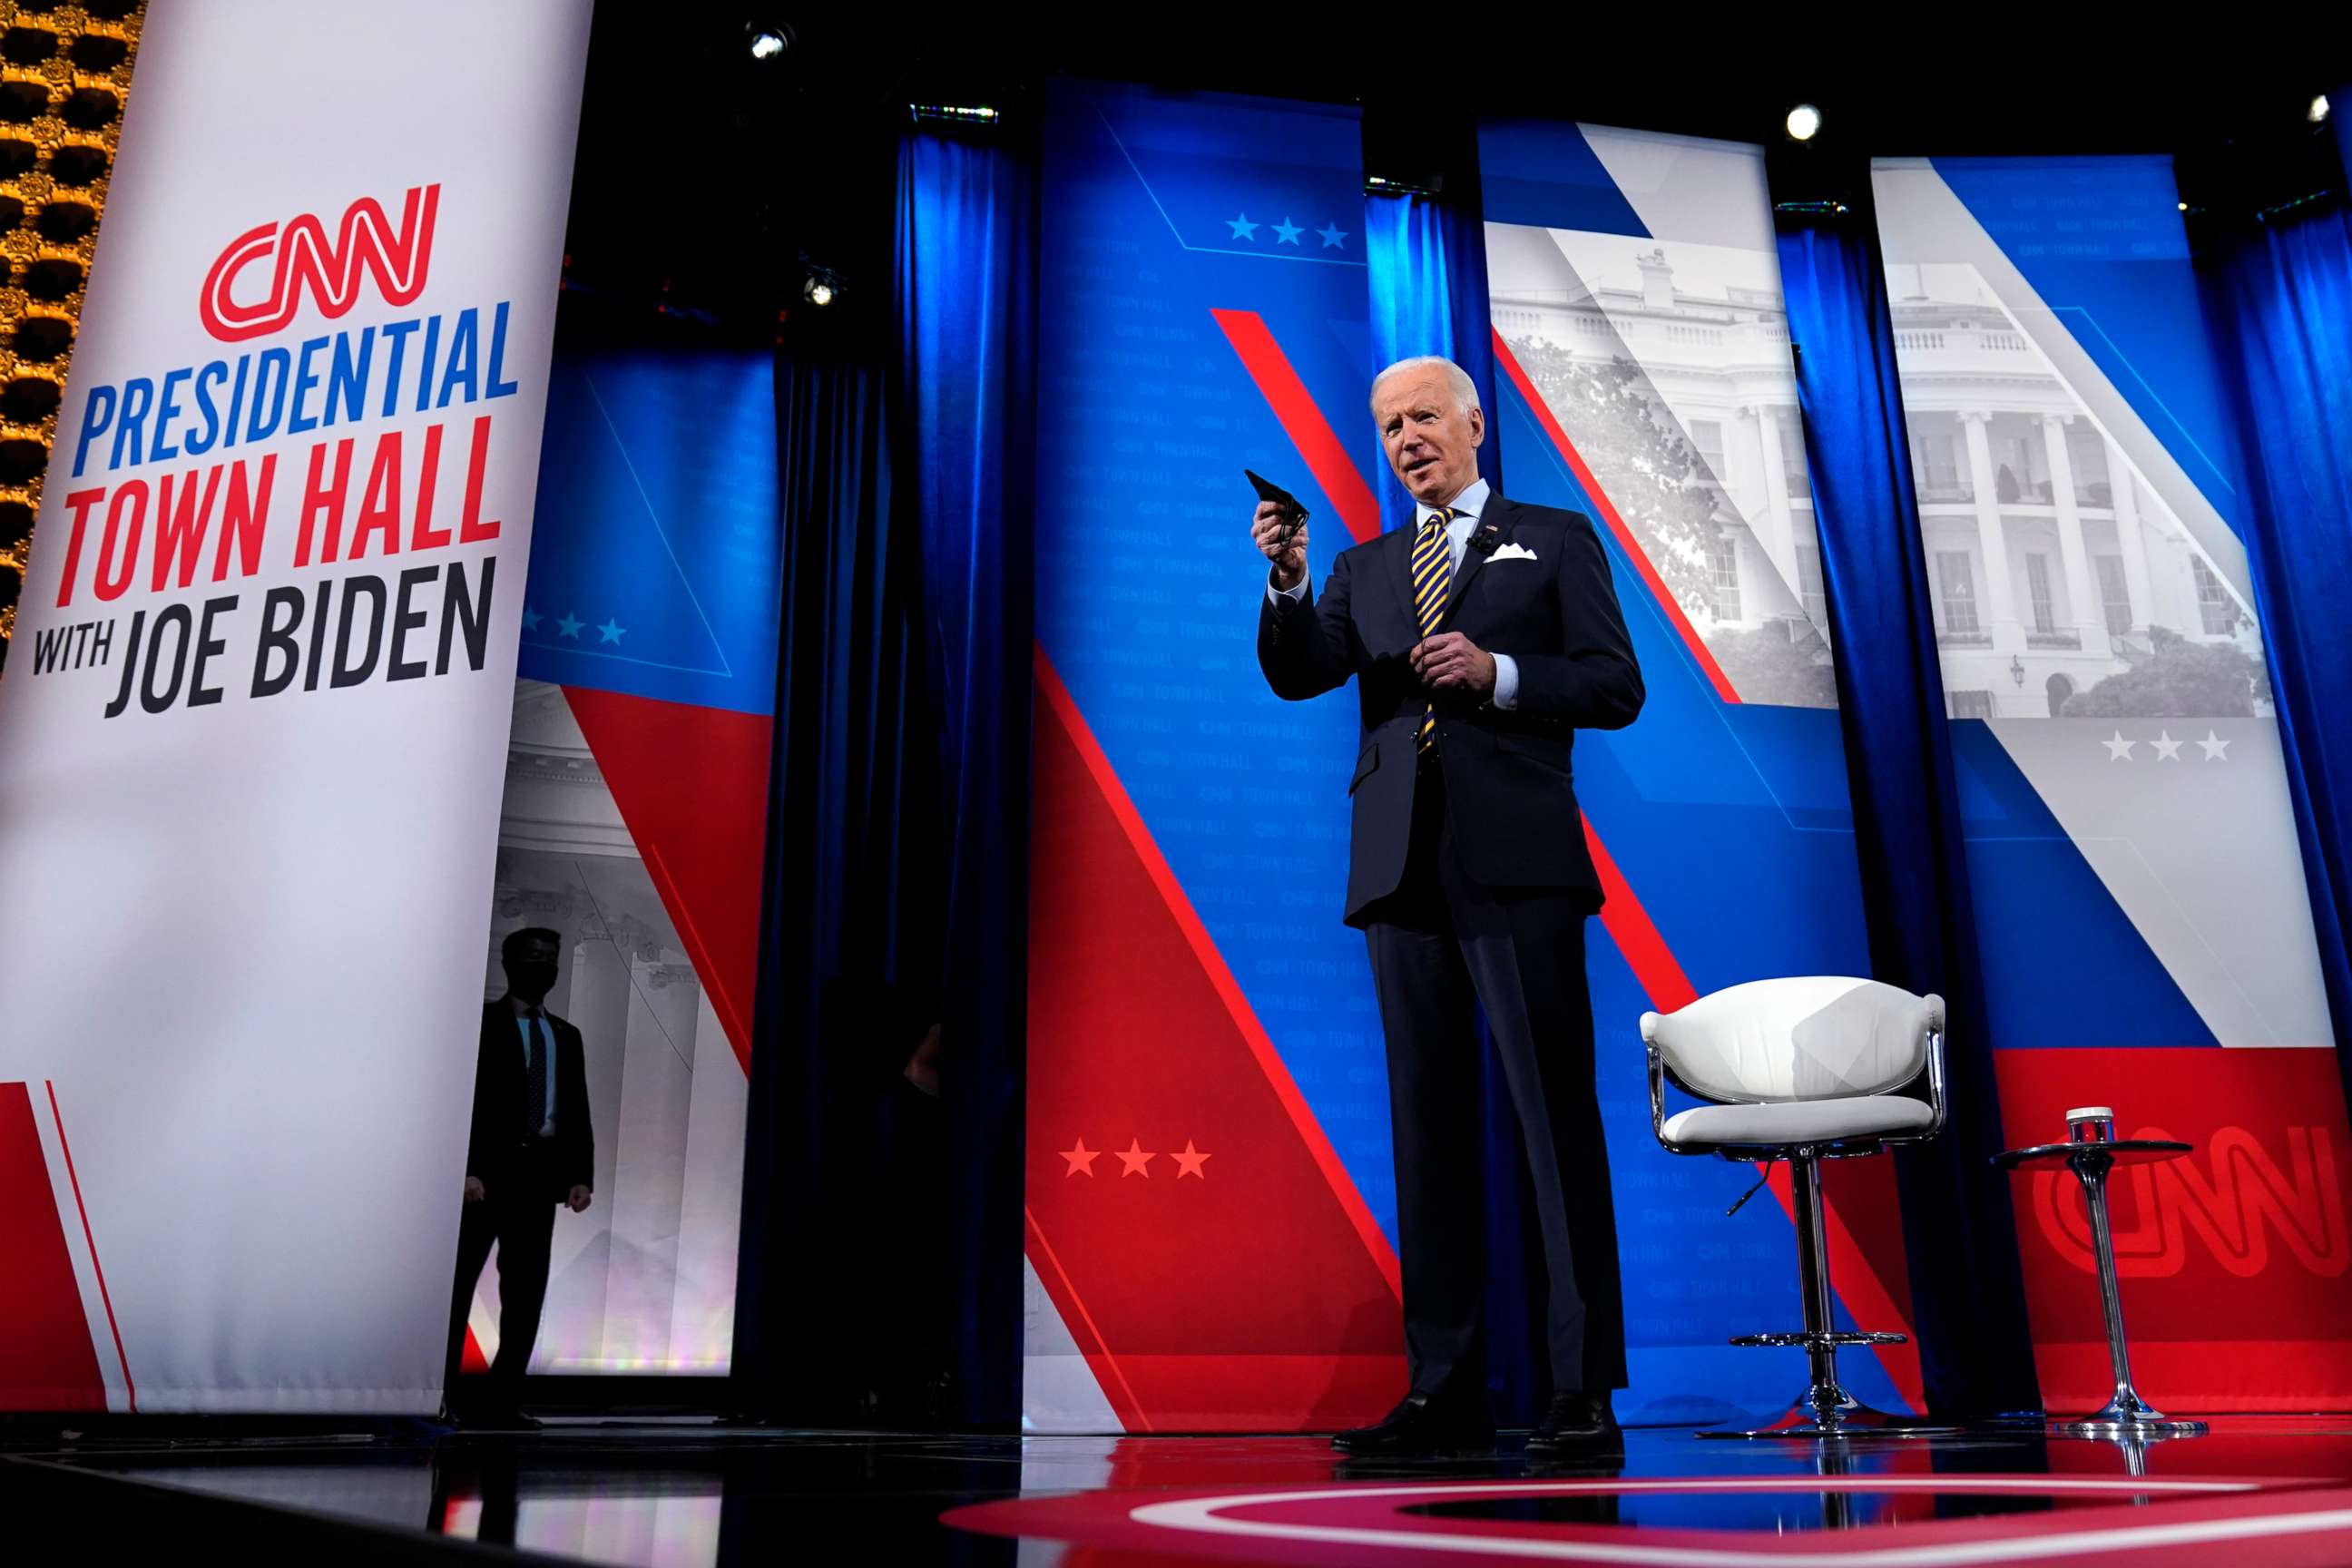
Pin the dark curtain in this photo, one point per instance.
(1425, 260)
(881, 1273)
(967, 332)
(834, 1265)
(2281, 301)
(1966, 1291)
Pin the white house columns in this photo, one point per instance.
(2083, 607)
(2127, 537)
(2001, 620)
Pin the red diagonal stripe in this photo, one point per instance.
(1609, 514)
(129, 1389)
(1335, 472)
(48, 1356)
(1636, 935)
(1080, 1322)
(1213, 964)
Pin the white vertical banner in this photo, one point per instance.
(253, 729)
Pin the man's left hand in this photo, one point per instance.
(1451, 662)
(578, 1200)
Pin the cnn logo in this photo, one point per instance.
(305, 261)
(2229, 1203)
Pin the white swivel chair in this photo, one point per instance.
(1804, 1070)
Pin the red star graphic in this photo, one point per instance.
(1189, 1161)
(1135, 1160)
(1082, 1159)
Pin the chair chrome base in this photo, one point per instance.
(2128, 1415)
(1825, 1409)
(1852, 1419)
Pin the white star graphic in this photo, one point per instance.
(568, 626)
(1241, 227)
(1332, 234)
(2119, 750)
(2217, 749)
(1286, 232)
(2168, 749)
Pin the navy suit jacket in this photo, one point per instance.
(493, 1150)
(1509, 780)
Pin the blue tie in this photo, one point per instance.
(534, 1092)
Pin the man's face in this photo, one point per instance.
(1432, 445)
(531, 972)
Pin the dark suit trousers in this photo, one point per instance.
(1442, 948)
(519, 1215)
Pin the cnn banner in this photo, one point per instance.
(253, 732)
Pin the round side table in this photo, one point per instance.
(2125, 1414)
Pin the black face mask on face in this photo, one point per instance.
(531, 981)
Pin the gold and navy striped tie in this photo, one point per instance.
(1432, 580)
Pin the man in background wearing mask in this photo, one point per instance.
(532, 1150)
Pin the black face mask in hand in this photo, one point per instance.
(531, 981)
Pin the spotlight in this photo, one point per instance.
(821, 287)
(968, 115)
(767, 40)
(1804, 122)
(2318, 110)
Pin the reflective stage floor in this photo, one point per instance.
(684, 1494)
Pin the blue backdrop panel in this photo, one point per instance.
(1160, 210)
(655, 567)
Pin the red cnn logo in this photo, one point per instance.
(330, 273)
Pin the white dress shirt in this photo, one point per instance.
(1466, 508)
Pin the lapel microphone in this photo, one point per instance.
(1489, 536)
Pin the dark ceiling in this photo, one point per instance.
(704, 176)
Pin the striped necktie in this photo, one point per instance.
(1432, 580)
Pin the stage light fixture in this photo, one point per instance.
(768, 40)
(2318, 110)
(820, 288)
(964, 114)
(1804, 122)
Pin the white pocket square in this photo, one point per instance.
(1513, 553)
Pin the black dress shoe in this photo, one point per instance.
(1577, 1424)
(1421, 1425)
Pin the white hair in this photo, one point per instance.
(1466, 391)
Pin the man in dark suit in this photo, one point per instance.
(1480, 640)
(532, 1150)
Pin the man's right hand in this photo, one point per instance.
(475, 1190)
(1289, 557)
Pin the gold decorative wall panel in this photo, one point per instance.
(65, 70)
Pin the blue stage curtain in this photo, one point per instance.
(2280, 302)
(1426, 260)
(967, 292)
(1967, 1290)
(881, 1272)
(851, 937)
